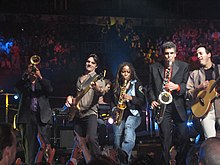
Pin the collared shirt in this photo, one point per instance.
(197, 77)
(33, 100)
(131, 92)
(89, 102)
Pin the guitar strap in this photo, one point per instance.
(216, 71)
(217, 78)
(87, 82)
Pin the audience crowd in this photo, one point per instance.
(61, 45)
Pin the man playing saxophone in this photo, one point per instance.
(128, 100)
(170, 76)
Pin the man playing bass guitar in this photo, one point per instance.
(201, 87)
(86, 108)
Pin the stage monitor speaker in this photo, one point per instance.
(66, 139)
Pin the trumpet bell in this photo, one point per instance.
(35, 59)
(165, 97)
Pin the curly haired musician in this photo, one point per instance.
(85, 120)
(175, 111)
(132, 96)
(34, 111)
(199, 80)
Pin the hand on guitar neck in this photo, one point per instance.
(96, 87)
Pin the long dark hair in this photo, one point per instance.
(119, 79)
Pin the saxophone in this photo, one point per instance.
(119, 111)
(165, 97)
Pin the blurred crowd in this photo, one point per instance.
(62, 44)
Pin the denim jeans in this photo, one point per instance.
(128, 141)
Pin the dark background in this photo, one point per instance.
(135, 8)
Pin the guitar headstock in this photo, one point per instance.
(102, 75)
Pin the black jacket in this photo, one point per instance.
(42, 90)
(180, 73)
(137, 101)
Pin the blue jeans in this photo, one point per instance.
(128, 141)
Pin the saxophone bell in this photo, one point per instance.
(165, 97)
(121, 106)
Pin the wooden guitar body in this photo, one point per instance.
(203, 101)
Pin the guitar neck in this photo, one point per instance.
(84, 91)
(214, 84)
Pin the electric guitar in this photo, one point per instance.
(203, 101)
(76, 107)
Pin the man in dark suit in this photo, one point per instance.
(34, 111)
(167, 88)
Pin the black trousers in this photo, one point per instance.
(173, 124)
(29, 133)
(87, 127)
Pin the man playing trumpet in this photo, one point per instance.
(34, 111)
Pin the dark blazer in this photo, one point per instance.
(180, 73)
(137, 101)
(42, 90)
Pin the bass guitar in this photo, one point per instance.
(203, 101)
(76, 107)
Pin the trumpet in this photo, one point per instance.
(35, 60)
(30, 72)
